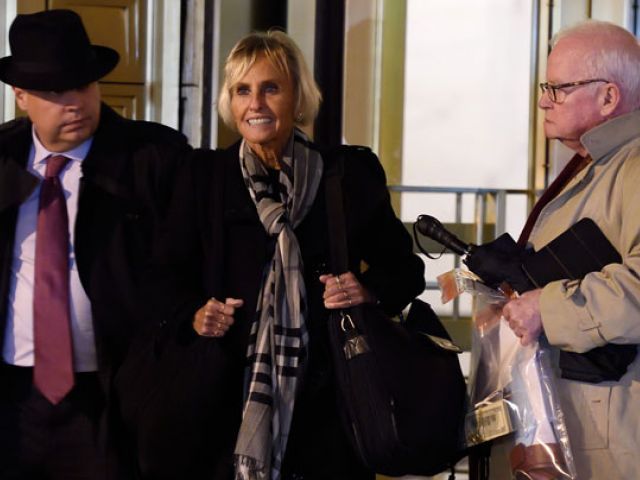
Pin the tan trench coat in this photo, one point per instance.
(603, 419)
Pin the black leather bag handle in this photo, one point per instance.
(336, 222)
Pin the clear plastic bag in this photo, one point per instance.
(511, 387)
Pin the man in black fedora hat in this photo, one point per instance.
(81, 193)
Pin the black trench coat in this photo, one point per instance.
(125, 188)
(215, 245)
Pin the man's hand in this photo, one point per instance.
(523, 315)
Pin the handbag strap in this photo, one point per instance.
(334, 173)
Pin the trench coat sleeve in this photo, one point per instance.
(393, 273)
(604, 307)
(174, 289)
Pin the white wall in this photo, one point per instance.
(467, 94)
(301, 26)
(7, 14)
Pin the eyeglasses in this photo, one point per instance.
(557, 94)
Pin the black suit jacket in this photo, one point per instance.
(127, 179)
(215, 245)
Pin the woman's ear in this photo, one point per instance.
(610, 99)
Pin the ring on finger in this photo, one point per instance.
(338, 281)
(346, 295)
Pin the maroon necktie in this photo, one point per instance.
(572, 168)
(53, 370)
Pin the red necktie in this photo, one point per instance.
(53, 370)
(572, 168)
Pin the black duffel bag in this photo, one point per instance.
(402, 393)
(401, 390)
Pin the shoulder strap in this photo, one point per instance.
(334, 171)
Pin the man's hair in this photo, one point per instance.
(615, 56)
(286, 57)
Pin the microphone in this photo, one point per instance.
(431, 227)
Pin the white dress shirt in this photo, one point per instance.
(18, 340)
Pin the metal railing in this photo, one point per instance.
(490, 213)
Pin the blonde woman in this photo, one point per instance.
(253, 279)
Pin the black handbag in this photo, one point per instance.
(400, 387)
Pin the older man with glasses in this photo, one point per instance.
(591, 103)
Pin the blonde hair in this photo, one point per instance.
(284, 55)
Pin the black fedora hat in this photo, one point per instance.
(50, 50)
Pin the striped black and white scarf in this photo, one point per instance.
(277, 345)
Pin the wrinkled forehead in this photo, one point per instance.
(567, 61)
(240, 66)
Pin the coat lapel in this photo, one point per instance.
(106, 166)
(105, 191)
(238, 206)
(16, 184)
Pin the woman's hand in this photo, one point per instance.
(215, 318)
(344, 291)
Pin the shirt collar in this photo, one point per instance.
(77, 154)
(612, 134)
